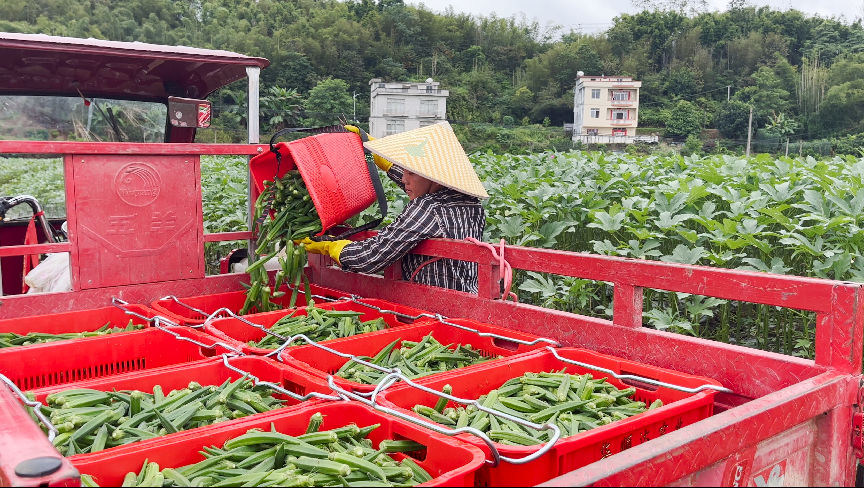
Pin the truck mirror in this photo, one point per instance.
(188, 112)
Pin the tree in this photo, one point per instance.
(683, 121)
(328, 100)
(521, 102)
(281, 108)
(781, 125)
(766, 96)
(732, 119)
(843, 107)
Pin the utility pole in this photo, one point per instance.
(728, 92)
(355, 105)
(787, 147)
(749, 130)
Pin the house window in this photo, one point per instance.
(595, 93)
(395, 127)
(619, 115)
(621, 96)
(396, 106)
(591, 132)
(619, 132)
(428, 107)
(595, 113)
(428, 88)
(381, 85)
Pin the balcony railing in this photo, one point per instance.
(622, 103)
(399, 113)
(622, 121)
(409, 91)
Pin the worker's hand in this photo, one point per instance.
(327, 248)
(379, 161)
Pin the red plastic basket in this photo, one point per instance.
(43, 365)
(236, 333)
(450, 462)
(680, 409)
(76, 321)
(334, 168)
(207, 372)
(232, 300)
(322, 364)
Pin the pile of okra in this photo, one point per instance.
(318, 325)
(414, 360)
(91, 420)
(295, 219)
(575, 403)
(337, 457)
(11, 339)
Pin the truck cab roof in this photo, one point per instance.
(39, 64)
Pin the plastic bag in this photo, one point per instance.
(272, 264)
(51, 275)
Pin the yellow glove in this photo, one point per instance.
(327, 248)
(379, 161)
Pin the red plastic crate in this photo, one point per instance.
(43, 365)
(450, 462)
(322, 363)
(680, 409)
(77, 321)
(206, 372)
(232, 300)
(236, 333)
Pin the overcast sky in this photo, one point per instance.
(597, 15)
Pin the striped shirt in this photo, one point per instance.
(446, 213)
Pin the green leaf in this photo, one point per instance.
(684, 255)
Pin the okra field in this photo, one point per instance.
(797, 216)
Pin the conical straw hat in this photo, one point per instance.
(432, 152)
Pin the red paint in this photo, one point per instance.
(135, 220)
(80, 148)
(228, 236)
(17, 426)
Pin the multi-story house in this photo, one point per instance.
(400, 106)
(606, 109)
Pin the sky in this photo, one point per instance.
(594, 16)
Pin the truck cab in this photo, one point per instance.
(65, 91)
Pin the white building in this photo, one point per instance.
(606, 110)
(401, 106)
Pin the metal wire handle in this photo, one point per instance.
(638, 378)
(496, 456)
(230, 313)
(442, 319)
(183, 304)
(34, 405)
(121, 304)
(157, 324)
(274, 386)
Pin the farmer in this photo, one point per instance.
(444, 193)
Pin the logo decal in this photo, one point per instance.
(137, 184)
(417, 151)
